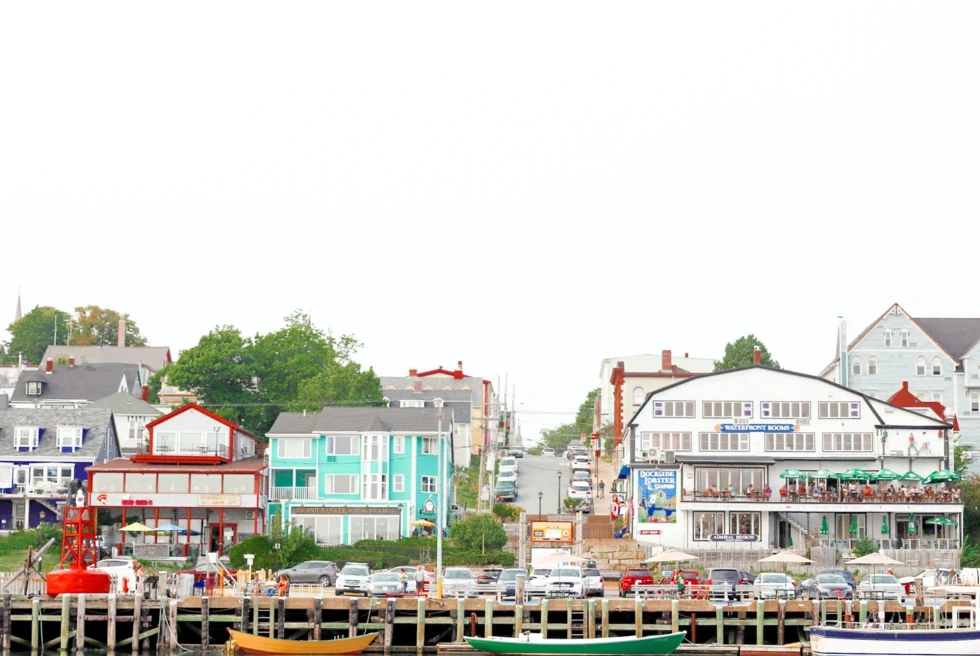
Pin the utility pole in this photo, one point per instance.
(440, 520)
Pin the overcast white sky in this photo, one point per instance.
(526, 186)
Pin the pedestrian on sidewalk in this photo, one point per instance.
(602, 489)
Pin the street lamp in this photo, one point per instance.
(540, 494)
(559, 493)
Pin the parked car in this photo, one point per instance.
(537, 584)
(506, 490)
(746, 578)
(507, 581)
(582, 475)
(884, 586)
(579, 490)
(384, 583)
(507, 475)
(634, 576)
(548, 451)
(930, 579)
(410, 575)
(566, 582)
(488, 575)
(121, 568)
(690, 576)
(826, 586)
(509, 462)
(845, 574)
(594, 584)
(458, 581)
(353, 578)
(516, 451)
(723, 576)
(774, 585)
(323, 572)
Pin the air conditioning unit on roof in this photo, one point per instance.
(669, 458)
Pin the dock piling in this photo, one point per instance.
(719, 625)
(65, 622)
(488, 618)
(317, 617)
(137, 613)
(352, 618)
(205, 622)
(389, 625)
(420, 629)
(80, 624)
(605, 618)
(281, 618)
(35, 625)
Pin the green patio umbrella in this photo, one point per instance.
(886, 475)
(823, 474)
(941, 476)
(911, 476)
(884, 525)
(854, 525)
(824, 526)
(792, 473)
(855, 475)
(913, 526)
(941, 521)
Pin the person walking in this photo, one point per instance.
(419, 580)
(602, 489)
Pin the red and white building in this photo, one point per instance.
(199, 472)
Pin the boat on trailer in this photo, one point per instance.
(533, 644)
(905, 639)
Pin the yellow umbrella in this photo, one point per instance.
(424, 523)
(136, 527)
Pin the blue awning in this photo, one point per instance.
(624, 473)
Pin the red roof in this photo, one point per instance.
(903, 398)
(125, 464)
(204, 411)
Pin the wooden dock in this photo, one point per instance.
(118, 623)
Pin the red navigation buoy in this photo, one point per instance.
(79, 552)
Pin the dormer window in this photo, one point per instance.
(412, 403)
(25, 438)
(69, 438)
(33, 388)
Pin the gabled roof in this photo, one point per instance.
(293, 423)
(903, 398)
(204, 411)
(87, 382)
(154, 357)
(461, 401)
(391, 420)
(124, 404)
(95, 422)
(869, 402)
(956, 336)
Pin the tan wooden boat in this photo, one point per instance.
(252, 644)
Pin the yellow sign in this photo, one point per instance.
(218, 500)
(552, 531)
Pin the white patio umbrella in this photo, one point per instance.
(670, 556)
(787, 557)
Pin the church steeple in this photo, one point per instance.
(17, 314)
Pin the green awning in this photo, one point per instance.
(792, 473)
(886, 475)
(823, 473)
(942, 476)
(855, 475)
(912, 476)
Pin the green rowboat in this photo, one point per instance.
(534, 645)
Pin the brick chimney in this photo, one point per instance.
(71, 360)
(417, 386)
(686, 355)
(905, 386)
(757, 354)
(145, 393)
(49, 366)
(458, 374)
(665, 361)
(121, 341)
(413, 372)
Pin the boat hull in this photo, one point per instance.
(652, 645)
(252, 644)
(77, 581)
(827, 641)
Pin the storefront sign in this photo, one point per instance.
(343, 510)
(552, 531)
(647, 531)
(657, 495)
(757, 428)
(137, 502)
(218, 500)
(728, 537)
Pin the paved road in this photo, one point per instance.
(540, 474)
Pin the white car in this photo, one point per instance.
(581, 462)
(549, 452)
(353, 578)
(537, 583)
(507, 475)
(930, 579)
(880, 586)
(566, 582)
(385, 583)
(774, 585)
(458, 582)
(119, 568)
(510, 462)
(410, 575)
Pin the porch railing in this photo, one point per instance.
(293, 493)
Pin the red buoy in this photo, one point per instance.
(79, 552)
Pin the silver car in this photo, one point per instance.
(458, 582)
(537, 584)
(594, 584)
(353, 578)
(385, 583)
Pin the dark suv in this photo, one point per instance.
(723, 575)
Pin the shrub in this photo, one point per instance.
(477, 559)
(479, 533)
(261, 546)
(506, 511)
(864, 546)
(572, 503)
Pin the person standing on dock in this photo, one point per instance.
(419, 580)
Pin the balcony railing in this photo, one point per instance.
(168, 448)
(293, 493)
(775, 497)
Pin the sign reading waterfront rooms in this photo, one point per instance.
(657, 495)
(342, 510)
(756, 428)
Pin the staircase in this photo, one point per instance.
(576, 624)
(810, 537)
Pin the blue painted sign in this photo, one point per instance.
(757, 428)
(658, 495)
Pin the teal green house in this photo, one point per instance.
(348, 474)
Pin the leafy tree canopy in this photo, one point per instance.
(252, 380)
(94, 326)
(479, 533)
(741, 353)
(960, 463)
(34, 332)
(559, 437)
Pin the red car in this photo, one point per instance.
(634, 576)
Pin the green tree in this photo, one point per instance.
(93, 326)
(586, 413)
(479, 533)
(741, 353)
(970, 487)
(219, 372)
(558, 438)
(960, 463)
(156, 383)
(864, 546)
(33, 332)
